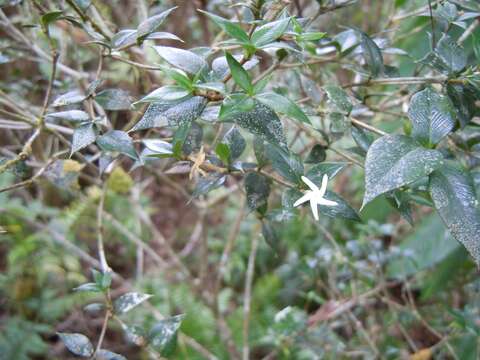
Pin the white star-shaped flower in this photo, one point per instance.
(315, 195)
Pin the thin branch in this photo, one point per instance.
(247, 298)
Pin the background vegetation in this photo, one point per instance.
(115, 194)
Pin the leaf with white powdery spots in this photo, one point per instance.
(453, 193)
(182, 59)
(119, 141)
(432, 116)
(261, 121)
(78, 344)
(83, 136)
(163, 336)
(128, 301)
(394, 161)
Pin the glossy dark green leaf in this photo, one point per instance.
(270, 235)
(338, 100)
(331, 169)
(78, 344)
(235, 142)
(239, 74)
(50, 17)
(223, 152)
(463, 97)
(257, 188)
(287, 164)
(452, 55)
(114, 99)
(342, 209)
(394, 161)
(283, 105)
(232, 29)
(70, 115)
(269, 32)
(262, 122)
(128, 301)
(361, 138)
(453, 193)
(83, 136)
(209, 183)
(317, 154)
(119, 141)
(432, 116)
(163, 336)
(151, 24)
(372, 54)
(183, 59)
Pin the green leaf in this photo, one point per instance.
(235, 143)
(171, 114)
(223, 152)
(283, 105)
(119, 141)
(83, 136)
(362, 139)
(208, 183)
(163, 336)
(70, 115)
(50, 17)
(239, 74)
(427, 246)
(102, 279)
(124, 38)
(260, 151)
(78, 344)
(394, 161)
(103, 354)
(113, 99)
(93, 287)
(270, 235)
(464, 98)
(453, 194)
(285, 163)
(262, 122)
(432, 116)
(234, 104)
(257, 188)
(135, 334)
(193, 141)
(232, 29)
(182, 59)
(158, 147)
(338, 100)
(317, 154)
(270, 32)
(220, 65)
(372, 54)
(452, 55)
(72, 97)
(331, 169)
(151, 24)
(165, 94)
(128, 301)
(311, 36)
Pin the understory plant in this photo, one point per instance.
(256, 179)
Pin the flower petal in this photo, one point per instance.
(326, 202)
(303, 199)
(310, 183)
(313, 205)
(323, 188)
